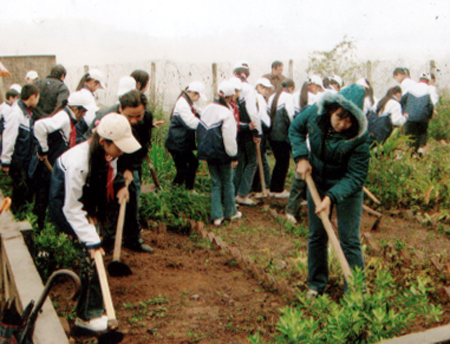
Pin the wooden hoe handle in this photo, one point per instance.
(329, 229)
(261, 170)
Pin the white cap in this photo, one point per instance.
(116, 128)
(425, 76)
(16, 87)
(264, 82)
(197, 87)
(83, 99)
(97, 75)
(237, 83)
(316, 80)
(226, 88)
(241, 64)
(126, 84)
(362, 82)
(32, 75)
(337, 78)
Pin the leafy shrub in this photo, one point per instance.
(439, 128)
(359, 317)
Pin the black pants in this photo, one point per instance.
(22, 191)
(419, 133)
(282, 153)
(186, 164)
(41, 185)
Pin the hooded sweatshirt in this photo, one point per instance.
(339, 163)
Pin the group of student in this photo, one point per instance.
(60, 148)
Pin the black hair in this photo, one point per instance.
(11, 93)
(276, 64)
(369, 91)
(401, 70)
(432, 76)
(133, 99)
(142, 77)
(58, 71)
(303, 99)
(334, 82)
(288, 83)
(86, 77)
(241, 70)
(324, 120)
(389, 95)
(326, 82)
(28, 90)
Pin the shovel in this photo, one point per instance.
(153, 172)
(261, 170)
(329, 229)
(116, 268)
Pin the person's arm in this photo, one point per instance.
(188, 118)
(297, 133)
(10, 132)
(45, 126)
(252, 110)
(229, 132)
(357, 169)
(395, 109)
(63, 95)
(75, 179)
(290, 107)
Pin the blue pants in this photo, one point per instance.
(246, 168)
(222, 191)
(349, 220)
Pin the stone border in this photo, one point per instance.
(19, 277)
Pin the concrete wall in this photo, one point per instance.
(18, 66)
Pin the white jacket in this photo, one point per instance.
(394, 109)
(42, 127)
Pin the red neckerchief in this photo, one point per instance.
(73, 134)
(235, 113)
(109, 179)
(191, 104)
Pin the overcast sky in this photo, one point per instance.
(95, 31)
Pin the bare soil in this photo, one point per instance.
(189, 291)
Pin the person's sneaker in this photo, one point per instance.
(138, 246)
(193, 192)
(94, 325)
(218, 222)
(311, 294)
(283, 194)
(259, 195)
(236, 216)
(291, 218)
(244, 200)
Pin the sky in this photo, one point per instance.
(99, 31)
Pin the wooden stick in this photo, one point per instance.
(153, 172)
(112, 321)
(119, 228)
(371, 211)
(261, 170)
(371, 195)
(329, 229)
(47, 163)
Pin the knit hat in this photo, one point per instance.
(351, 98)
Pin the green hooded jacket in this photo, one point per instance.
(339, 163)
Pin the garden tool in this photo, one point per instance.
(6, 204)
(116, 267)
(153, 172)
(374, 213)
(329, 229)
(261, 170)
(29, 326)
(371, 195)
(47, 164)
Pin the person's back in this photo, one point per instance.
(53, 93)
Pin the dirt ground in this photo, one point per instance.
(191, 292)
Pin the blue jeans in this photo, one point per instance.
(349, 220)
(246, 168)
(222, 191)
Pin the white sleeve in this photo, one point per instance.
(229, 133)
(263, 111)
(10, 132)
(290, 107)
(75, 179)
(48, 125)
(434, 95)
(395, 109)
(183, 109)
(250, 105)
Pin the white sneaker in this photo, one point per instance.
(95, 325)
(236, 216)
(290, 218)
(244, 200)
(283, 194)
(218, 222)
(259, 195)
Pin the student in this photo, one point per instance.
(369, 99)
(53, 93)
(54, 136)
(89, 84)
(338, 161)
(401, 75)
(386, 114)
(315, 89)
(12, 96)
(180, 140)
(276, 77)
(84, 182)
(281, 110)
(249, 134)
(336, 82)
(418, 108)
(217, 145)
(17, 145)
(31, 77)
(263, 89)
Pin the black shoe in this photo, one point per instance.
(138, 246)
